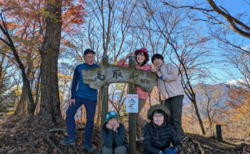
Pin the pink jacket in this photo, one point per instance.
(142, 94)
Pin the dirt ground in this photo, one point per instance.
(24, 136)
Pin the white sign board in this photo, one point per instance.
(132, 103)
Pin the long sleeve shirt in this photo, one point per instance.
(78, 87)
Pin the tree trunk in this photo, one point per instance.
(31, 105)
(21, 107)
(23, 103)
(1, 74)
(198, 115)
(50, 102)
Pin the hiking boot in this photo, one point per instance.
(68, 141)
(90, 148)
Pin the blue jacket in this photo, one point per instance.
(78, 87)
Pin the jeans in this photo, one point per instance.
(90, 106)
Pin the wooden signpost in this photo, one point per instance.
(106, 74)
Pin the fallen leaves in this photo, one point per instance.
(11, 151)
(40, 138)
(26, 136)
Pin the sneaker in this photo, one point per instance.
(89, 148)
(67, 141)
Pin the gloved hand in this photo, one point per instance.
(172, 151)
(161, 152)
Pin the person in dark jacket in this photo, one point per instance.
(114, 135)
(158, 134)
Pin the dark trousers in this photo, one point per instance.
(117, 150)
(165, 150)
(90, 106)
(174, 104)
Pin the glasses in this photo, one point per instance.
(158, 116)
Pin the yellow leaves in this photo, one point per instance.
(115, 62)
(64, 81)
(120, 86)
(52, 2)
(61, 76)
(45, 14)
(11, 112)
(17, 90)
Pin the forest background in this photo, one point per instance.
(42, 41)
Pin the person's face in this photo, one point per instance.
(140, 57)
(157, 62)
(112, 122)
(89, 58)
(158, 118)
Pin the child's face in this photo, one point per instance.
(157, 62)
(112, 122)
(158, 118)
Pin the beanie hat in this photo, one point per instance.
(111, 114)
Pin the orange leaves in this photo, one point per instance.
(239, 112)
(73, 13)
(240, 98)
(26, 12)
(10, 25)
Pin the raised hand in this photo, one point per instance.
(108, 126)
(129, 54)
(153, 68)
(116, 126)
(72, 101)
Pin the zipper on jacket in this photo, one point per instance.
(165, 85)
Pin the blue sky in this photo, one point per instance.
(220, 70)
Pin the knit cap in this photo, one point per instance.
(111, 114)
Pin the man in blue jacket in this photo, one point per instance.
(82, 94)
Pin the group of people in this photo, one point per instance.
(165, 120)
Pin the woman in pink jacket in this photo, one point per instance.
(171, 89)
(142, 58)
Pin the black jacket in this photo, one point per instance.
(113, 139)
(166, 134)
